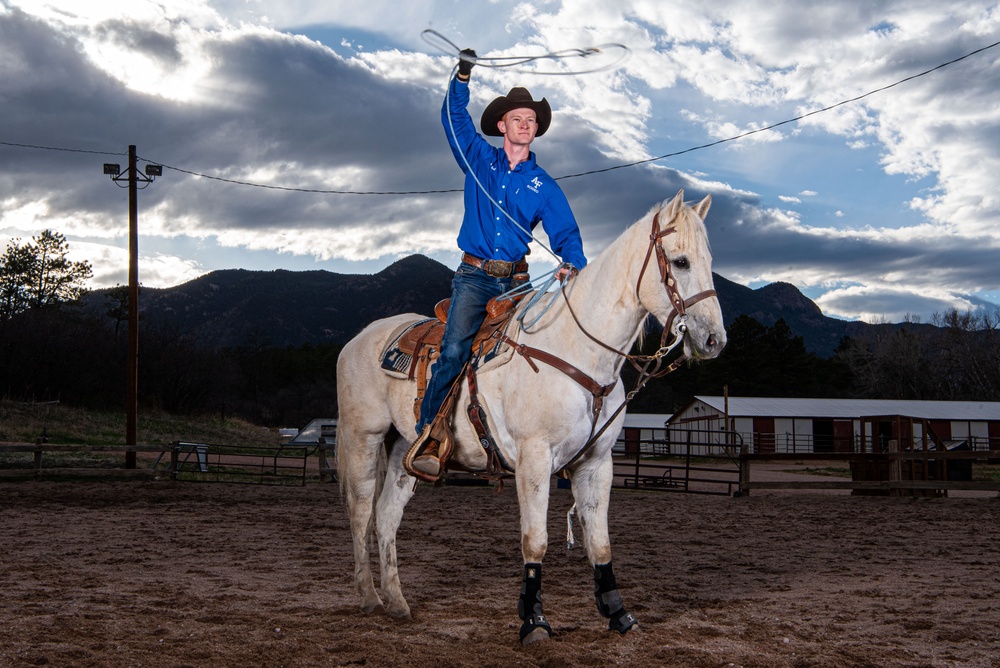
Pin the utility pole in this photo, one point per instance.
(132, 177)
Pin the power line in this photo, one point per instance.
(566, 176)
(58, 148)
(304, 190)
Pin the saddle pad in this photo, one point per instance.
(394, 361)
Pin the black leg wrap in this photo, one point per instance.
(529, 607)
(622, 621)
(609, 601)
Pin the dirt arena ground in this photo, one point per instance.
(197, 574)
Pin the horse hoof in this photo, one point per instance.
(399, 613)
(534, 636)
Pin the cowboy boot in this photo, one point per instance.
(427, 456)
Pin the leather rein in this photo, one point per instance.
(648, 366)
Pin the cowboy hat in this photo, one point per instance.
(517, 98)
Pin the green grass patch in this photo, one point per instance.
(986, 472)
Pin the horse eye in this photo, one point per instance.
(682, 263)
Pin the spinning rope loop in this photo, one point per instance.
(618, 52)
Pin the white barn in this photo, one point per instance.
(643, 431)
(778, 425)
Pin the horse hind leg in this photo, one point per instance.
(396, 493)
(360, 465)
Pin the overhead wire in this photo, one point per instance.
(302, 190)
(62, 149)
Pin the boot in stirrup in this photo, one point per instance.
(421, 461)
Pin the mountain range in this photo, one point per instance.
(238, 307)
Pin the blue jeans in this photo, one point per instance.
(471, 289)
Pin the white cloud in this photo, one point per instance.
(888, 303)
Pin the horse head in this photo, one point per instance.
(675, 283)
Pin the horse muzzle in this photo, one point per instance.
(703, 343)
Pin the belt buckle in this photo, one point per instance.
(499, 268)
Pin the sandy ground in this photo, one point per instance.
(198, 574)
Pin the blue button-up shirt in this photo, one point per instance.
(526, 192)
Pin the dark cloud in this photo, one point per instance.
(133, 37)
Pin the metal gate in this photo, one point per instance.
(700, 462)
(283, 464)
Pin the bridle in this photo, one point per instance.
(669, 282)
(675, 326)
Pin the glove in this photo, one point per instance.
(466, 61)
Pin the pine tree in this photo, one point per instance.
(39, 274)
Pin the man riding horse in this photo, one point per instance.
(500, 184)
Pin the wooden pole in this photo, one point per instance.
(744, 470)
(132, 372)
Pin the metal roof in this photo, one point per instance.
(853, 408)
(646, 420)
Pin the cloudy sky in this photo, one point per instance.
(877, 209)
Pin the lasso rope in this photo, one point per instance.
(619, 53)
(509, 62)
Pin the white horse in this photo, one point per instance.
(540, 417)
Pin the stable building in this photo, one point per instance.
(778, 425)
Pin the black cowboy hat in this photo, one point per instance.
(517, 98)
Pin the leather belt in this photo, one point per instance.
(496, 268)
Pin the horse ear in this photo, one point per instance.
(702, 207)
(675, 205)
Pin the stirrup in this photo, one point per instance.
(424, 442)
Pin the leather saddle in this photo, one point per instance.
(423, 341)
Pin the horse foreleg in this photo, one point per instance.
(592, 493)
(396, 492)
(533, 498)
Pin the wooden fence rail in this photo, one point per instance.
(192, 460)
(39, 450)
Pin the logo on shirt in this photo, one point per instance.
(534, 185)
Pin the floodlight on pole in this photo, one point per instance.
(132, 177)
